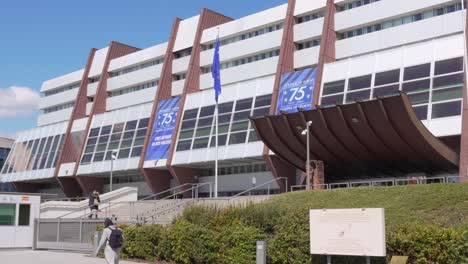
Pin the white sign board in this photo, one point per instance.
(350, 232)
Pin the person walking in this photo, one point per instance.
(113, 240)
(91, 204)
(96, 200)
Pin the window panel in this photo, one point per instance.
(221, 140)
(205, 121)
(237, 138)
(446, 109)
(190, 114)
(419, 98)
(417, 86)
(184, 145)
(203, 131)
(446, 81)
(240, 126)
(116, 137)
(226, 118)
(421, 112)
(141, 132)
(207, 111)
(332, 100)
(244, 104)
(387, 77)
(123, 153)
(86, 158)
(24, 215)
(91, 141)
(448, 66)
(101, 147)
(7, 214)
(129, 134)
(264, 100)
(416, 72)
(225, 107)
(136, 152)
(139, 141)
(94, 132)
(189, 124)
(99, 156)
(222, 128)
(253, 136)
(103, 139)
(186, 134)
(447, 94)
(143, 123)
(386, 91)
(106, 130)
(126, 143)
(359, 82)
(261, 112)
(334, 87)
(118, 128)
(200, 143)
(113, 145)
(241, 116)
(131, 125)
(358, 96)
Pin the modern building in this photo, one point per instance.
(154, 107)
(5, 147)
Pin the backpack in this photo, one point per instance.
(116, 239)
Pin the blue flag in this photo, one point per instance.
(215, 70)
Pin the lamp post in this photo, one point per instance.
(306, 132)
(113, 157)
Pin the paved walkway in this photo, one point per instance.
(48, 257)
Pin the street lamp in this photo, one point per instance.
(306, 132)
(113, 157)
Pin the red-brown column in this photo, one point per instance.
(160, 180)
(116, 50)
(207, 20)
(68, 152)
(279, 168)
(463, 164)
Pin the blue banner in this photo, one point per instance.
(296, 91)
(163, 128)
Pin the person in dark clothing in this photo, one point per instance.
(91, 204)
(94, 201)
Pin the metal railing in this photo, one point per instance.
(261, 185)
(381, 183)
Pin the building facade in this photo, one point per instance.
(154, 107)
(5, 147)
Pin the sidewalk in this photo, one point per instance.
(49, 257)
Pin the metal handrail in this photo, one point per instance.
(263, 184)
(168, 190)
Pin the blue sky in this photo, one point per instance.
(44, 39)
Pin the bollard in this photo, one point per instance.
(261, 252)
(96, 238)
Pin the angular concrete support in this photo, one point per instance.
(463, 164)
(281, 169)
(158, 180)
(70, 187)
(89, 184)
(318, 175)
(185, 175)
(25, 187)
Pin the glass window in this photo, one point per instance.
(241, 116)
(141, 132)
(387, 77)
(421, 112)
(131, 125)
(221, 140)
(261, 112)
(92, 141)
(106, 130)
(24, 214)
(203, 131)
(136, 152)
(419, 98)
(225, 107)
(190, 114)
(253, 136)
(416, 72)
(129, 134)
(143, 123)
(139, 141)
(446, 109)
(113, 145)
(244, 104)
(334, 87)
(118, 128)
(126, 143)
(359, 82)
(205, 121)
(7, 214)
(358, 96)
(447, 94)
(184, 145)
(86, 158)
(226, 118)
(222, 128)
(416, 86)
(101, 147)
(332, 100)
(207, 110)
(116, 137)
(386, 91)
(124, 153)
(237, 138)
(189, 124)
(448, 66)
(103, 139)
(94, 132)
(446, 81)
(200, 143)
(186, 134)
(98, 157)
(263, 101)
(240, 126)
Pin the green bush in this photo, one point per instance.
(192, 243)
(144, 242)
(429, 244)
(237, 243)
(197, 215)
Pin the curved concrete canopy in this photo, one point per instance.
(381, 136)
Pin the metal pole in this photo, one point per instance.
(328, 259)
(368, 260)
(308, 157)
(216, 150)
(112, 168)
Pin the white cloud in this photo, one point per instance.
(18, 101)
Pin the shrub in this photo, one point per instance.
(191, 243)
(145, 243)
(429, 244)
(197, 215)
(237, 243)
